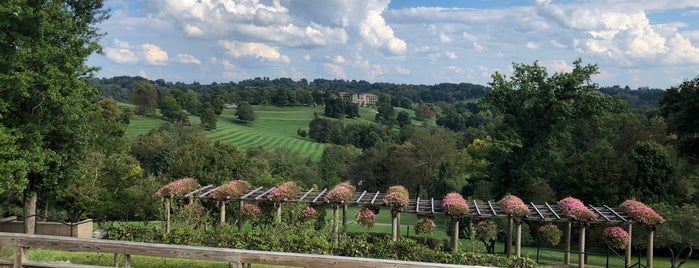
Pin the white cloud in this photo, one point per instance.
(532, 45)
(335, 70)
(153, 54)
(186, 58)
(339, 59)
(143, 74)
(402, 70)
(121, 52)
(256, 50)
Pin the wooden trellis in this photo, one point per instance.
(430, 207)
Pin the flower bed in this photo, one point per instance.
(617, 237)
(365, 217)
(396, 197)
(286, 191)
(641, 213)
(455, 205)
(513, 206)
(177, 188)
(230, 190)
(341, 193)
(550, 233)
(576, 210)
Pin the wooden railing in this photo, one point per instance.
(22, 243)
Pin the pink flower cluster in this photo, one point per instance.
(617, 237)
(340, 193)
(366, 217)
(232, 189)
(486, 230)
(424, 226)
(641, 213)
(514, 206)
(307, 214)
(576, 210)
(177, 188)
(286, 191)
(454, 204)
(250, 212)
(550, 233)
(396, 197)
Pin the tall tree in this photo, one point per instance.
(145, 97)
(245, 113)
(680, 107)
(45, 101)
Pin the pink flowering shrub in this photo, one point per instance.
(514, 206)
(550, 233)
(617, 237)
(396, 197)
(486, 231)
(341, 193)
(576, 210)
(641, 213)
(454, 204)
(307, 214)
(424, 226)
(232, 189)
(286, 191)
(365, 217)
(177, 188)
(250, 212)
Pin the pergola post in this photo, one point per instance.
(566, 255)
(454, 234)
(335, 225)
(627, 257)
(240, 213)
(508, 246)
(395, 224)
(649, 261)
(278, 216)
(167, 214)
(344, 215)
(518, 239)
(222, 214)
(581, 256)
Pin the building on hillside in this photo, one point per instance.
(365, 99)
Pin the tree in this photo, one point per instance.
(145, 97)
(403, 119)
(169, 107)
(45, 101)
(680, 107)
(680, 232)
(208, 119)
(424, 113)
(245, 113)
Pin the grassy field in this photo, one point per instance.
(274, 127)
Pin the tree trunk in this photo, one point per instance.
(30, 212)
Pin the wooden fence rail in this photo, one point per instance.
(236, 257)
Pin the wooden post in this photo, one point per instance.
(649, 261)
(278, 217)
(344, 215)
(394, 224)
(398, 224)
(30, 212)
(581, 257)
(127, 260)
(167, 215)
(336, 234)
(454, 234)
(566, 255)
(518, 239)
(241, 221)
(20, 257)
(508, 246)
(222, 218)
(627, 258)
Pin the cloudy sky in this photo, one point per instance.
(634, 42)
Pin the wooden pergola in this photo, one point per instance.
(433, 207)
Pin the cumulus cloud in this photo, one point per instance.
(123, 52)
(256, 50)
(186, 58)
(335, 70)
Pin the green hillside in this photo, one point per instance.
(273, 127)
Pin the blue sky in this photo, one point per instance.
(634, 42)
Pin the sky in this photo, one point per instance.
(639, 43)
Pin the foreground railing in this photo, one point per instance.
(22, 243)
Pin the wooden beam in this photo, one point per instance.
(537, 211)
(319, 195)
(251, 192)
